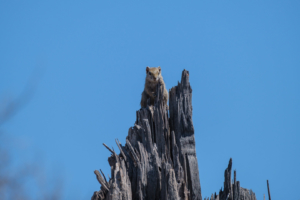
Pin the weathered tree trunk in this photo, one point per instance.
(158, 161)
(233, 191)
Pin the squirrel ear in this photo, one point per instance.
(159, 68)
(147, 69)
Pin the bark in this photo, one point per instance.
(158, 161)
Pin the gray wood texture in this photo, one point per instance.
(233, 191)
(158, 161)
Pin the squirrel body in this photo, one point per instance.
(153, 77)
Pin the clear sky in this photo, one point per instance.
(244, 63)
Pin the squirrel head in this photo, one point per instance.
(153, 73)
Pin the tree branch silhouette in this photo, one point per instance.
(14, 179)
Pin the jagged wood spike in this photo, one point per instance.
(100, 179)
(103, 176)
(269, 190)
(108, 148)
(116, 156)
(119, 146)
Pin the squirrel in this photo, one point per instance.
(153, 76)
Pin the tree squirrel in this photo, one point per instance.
(153, 76)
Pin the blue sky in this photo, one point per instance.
(244, 63)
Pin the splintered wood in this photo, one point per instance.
(158, 161)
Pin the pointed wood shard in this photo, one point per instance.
(121, 151)
(109, 149)
(101, 180)
(269, 190)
